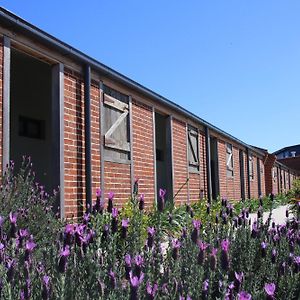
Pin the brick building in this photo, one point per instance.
(87, 126)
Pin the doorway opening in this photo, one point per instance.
(214, 164)
(34, 121)
(163, 144)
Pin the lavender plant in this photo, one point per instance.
(129, 254)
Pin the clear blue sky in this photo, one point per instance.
(234, 63)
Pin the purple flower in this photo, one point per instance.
(142, 202)
(239, 277)
(46, 290)
(263, 249)
(29, 247)
(62, 263)
(202, 246)
(150, 239)
(21, 236)
(110, 201)
(69, 234)
(135, 281)
(127, 260)
(114, 221)
(273, 257)
(244, 296)
(13, 225)
(125, 224)
(270, 290)
(10, 264)
(139, 261)
(175, 251)
(225, 255)
(99, 205)
(297, 264)
(112, 279)
(151, 290)
(195, 232)
(161, 200)
(86, 218)
(205, 288)
(105, 232)
(98, 193)
(213, 259)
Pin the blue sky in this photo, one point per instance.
(234, 63)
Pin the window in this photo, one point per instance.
(251, 167)
(193, 149)
(229, 160)
(116, 129)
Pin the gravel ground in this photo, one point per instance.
(278, 215)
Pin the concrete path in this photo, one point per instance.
(278, 215)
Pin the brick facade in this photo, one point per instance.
(179, 152)
(143, 150)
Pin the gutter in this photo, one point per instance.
(15, 22)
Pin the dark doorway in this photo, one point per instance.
(214, 168)
(242, 174)
(34, 128)
(163, 143)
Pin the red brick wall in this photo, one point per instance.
(222, 168)
(95, 138)
(143, 156)
(179, 160)
(74, 144)
(270, 181)
(262, 177)
(254, 182)
(117, 180)
(230, 187)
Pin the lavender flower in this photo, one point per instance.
(46, 290)
(114, 221)
(112, 279)
(195, 232)
(150, 239)
(176, 246)
(244, 296)
(99, 205)
(297, 264)
(135, 282)
(10, 264)
(62, 263)
(273, 256)
(151, 290)
(225, 255)
(270, 290)
(69, 234)
(29, 247)
(263, 249)
(110, 202)
(124, 224)
(213, 259)
(205, 288)
(139, 261)
(161, 200)
(202, 246)
(127, 259)
(13, 225)
(239, 277)
(22, 234)
(142, 202)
